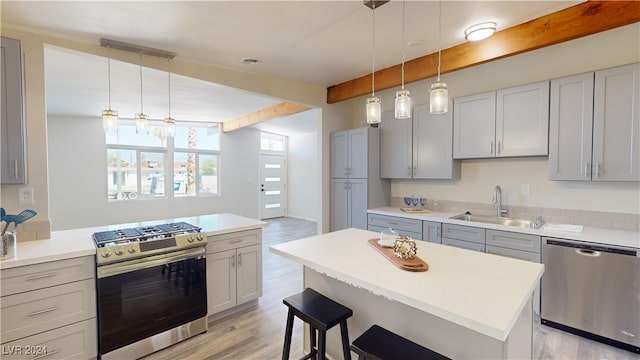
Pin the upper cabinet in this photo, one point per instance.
(417, 148)
(12, 153)
(595, 127)
(349, 154)
(504, 123)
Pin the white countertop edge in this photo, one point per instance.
(629, 239)
(496, 333)
(34, 260)
(235, 229)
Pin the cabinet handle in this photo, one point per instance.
(49, 353)
(499, 147)
(239, 259)
(42, 311)
(235, 241)
(597, 169)
(41, 276)
(414, 170)
(492, 148)
(233, 260)
(586, 170)
(15, 168)
(438, 232)
(409, 171)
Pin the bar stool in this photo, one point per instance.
(321, 313)
(378, 343)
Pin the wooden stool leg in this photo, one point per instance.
(287, 336)
(345, 340)
(322, 344)
(312, 343)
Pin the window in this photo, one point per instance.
(139, 164)
(272, 142)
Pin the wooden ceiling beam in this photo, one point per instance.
(262, 115)
(577, 21)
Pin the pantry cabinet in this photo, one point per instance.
(505, 123)
(12, 130)
(595, 126)
(350, 153)
(234, 269)
(420, 147)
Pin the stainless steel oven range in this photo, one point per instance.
(151, 285)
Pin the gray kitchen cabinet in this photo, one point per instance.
(418, 148)
(356, 184)
(12, 129)
(403, 226)
(465, 237)
(234, 269)
(505, 123)
(51, 305)
(432, 231)
(595, 126)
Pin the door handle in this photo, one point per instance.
(586, 252)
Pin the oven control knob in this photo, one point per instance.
(131, 249)
(190, 238)
(119, 250)
(105, 253)
(200, 237)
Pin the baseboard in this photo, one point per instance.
(223, 314)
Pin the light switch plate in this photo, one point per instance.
(525, 189)
(25, 196)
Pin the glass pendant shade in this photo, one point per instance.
(142, 123)
(374, 112)
(438, 98)
(170, 127)
(403, 104)
(109, 119)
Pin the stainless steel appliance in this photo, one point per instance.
(151, 285)
(592, 290)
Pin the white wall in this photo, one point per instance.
(302, 171)
(607, 49)
(78, 183)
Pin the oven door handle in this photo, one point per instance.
(147, 262)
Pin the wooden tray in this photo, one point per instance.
(413, 264)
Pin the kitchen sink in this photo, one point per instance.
(507, 221)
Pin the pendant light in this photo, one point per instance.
(169, 122)
(403, 100)
(109, 116)
(142, 120)
(374, 111)
(438, 94)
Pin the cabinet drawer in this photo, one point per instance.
(33, 277)
(76, 341)
(411, 234)
(396, 223)
(45, 309)
(516, 241)
(466, 233)
(516, 254)
(216, 243)
(463, 244)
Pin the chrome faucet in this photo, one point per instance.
(497, 199)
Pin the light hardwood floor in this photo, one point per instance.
(258, 332)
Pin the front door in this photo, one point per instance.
(272, 186)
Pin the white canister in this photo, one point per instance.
(8, 246)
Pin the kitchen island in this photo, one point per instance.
(467, 305)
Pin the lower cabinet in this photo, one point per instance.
(234, 269)
(403, 226)
(49, 309)
(432, 231)
(466, 237)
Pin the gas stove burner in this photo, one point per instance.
(143, 233)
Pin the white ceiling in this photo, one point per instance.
(319, 42)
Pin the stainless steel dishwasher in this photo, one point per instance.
(592, 290)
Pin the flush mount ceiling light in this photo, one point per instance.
(142, 120)
(109, 116)
(169, 122)
(480, 31)
(438, 94)
(403, 98)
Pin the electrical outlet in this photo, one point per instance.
(25, 196)
(525, 189)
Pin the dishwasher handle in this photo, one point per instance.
(587, 252)
(594, 250)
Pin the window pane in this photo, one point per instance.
(122, 177)
(152, 169)
(208, 174)
(126, 135)
(183, 163)
(272, 142)
(197, 137)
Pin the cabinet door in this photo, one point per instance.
(463, 244)
(522, 120)
(339, 154)
(249, 273)
(358, 203)
(570, 127)
(395, 147)
(358, 152)
(432, 231)
(465, 233)
(515, 241)
(616, 124)
(474, 126)
(12, 151)
(221, 281)
(433, 145)
(339, 204)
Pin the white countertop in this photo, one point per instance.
(67, 244)
(589, 234)
(479, 291)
